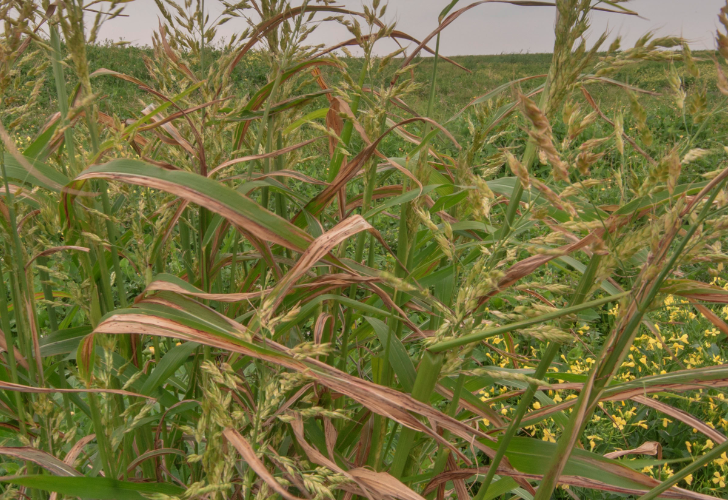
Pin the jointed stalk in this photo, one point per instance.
(444, 452)
(428, 371)
(10, 343)
(25, 313)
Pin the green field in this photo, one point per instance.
(294, 277)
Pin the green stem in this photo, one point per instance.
(346, 131)
(47, 294)
(24, 303)
(101, 438)
(280, 199)
(444, 452)
(428, 372)
(10, 343)
(266, 125)
(187, 249)
(431, 363)
(60, 79)
(529, 156)
(113, 239)
(478, 336)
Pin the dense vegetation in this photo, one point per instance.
(266, 270)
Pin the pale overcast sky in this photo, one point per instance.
(486, 29)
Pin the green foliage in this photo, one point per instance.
(262, 270)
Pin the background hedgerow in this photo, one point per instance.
(263, 269)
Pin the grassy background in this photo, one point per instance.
(455, 87)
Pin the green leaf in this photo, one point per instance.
(500, 487)
(17, 172)
(63, 341)
(313, 115)
(208, 193)
(398, 357)
(247, 115)
(167, 366)
(39, 144)
(534, 456)
(94, 487)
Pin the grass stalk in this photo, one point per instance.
(547, 358)
(600, 375)
(491, 332)
(12, 363)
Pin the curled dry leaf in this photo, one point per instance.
(38, 457)
(374, 485)
(249, 455)
(648, 448)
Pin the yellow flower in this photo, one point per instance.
(557, 399)
(486, 422)
(688, 479)
(548, 436)
(719, 480)
(536, 405)
(592, 440)
(619, 422)
(683, 338)
(642, 424)
(722, 460)
(689, 446)
(709, 444)
(666, 421)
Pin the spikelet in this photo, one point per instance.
(549, 287)
(576, 188)
(645, 49)
(541, 134)
(554, 198)
(578, 126)
(640, 116)
(518, 169)
(586, 157)
(306, 350)
(395, 282)
(503, 374)
(677, 87)
(619, 132)
(722, 81)
(694, 154)
(698, 106)
(689, 61)
(721, 38)
(548, 333)
(673, 170)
